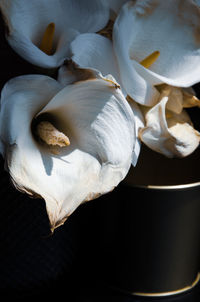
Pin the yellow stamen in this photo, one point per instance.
(47, 39)
(51, 136)
(148, 61)
(114, 84)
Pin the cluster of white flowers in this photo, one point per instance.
(124, 76)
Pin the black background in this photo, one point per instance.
(36, 264)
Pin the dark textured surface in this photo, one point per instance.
(32, 260)
(30, 257)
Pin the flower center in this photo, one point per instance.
(47, 40)
(148, 61)
(50, 135)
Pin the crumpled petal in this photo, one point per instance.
(176, 37)
(179, 98)
(26, 22)
(190, 99)
(99, 123)
(167, 132)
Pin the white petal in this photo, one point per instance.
(21, 99)
(31, 52)
(95, 51)
(188, 139)
(167, 132)
(135, 85)
(105, 104)
(100, 125)
(27, 21)
(139, 123)
(175, 37)
(84, 16)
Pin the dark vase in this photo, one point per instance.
(145, 239)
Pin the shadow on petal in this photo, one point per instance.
(48, 163)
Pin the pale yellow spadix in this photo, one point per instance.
(51, 136)
(148, 61)
(47, 39)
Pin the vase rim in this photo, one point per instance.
(167, 187)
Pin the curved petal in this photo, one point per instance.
(21, 99)
(99, 124)
(167, 132)
(32, 53)
(175, 37)
(105, 104)
(27, 20)
(95, 51)
(135, 85)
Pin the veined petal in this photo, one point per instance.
(99, 123)
(105, 104)
(26, 22)
(175, 37)
(167, 132)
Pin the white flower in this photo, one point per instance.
(41, 30)
(90, 50)
(170, 28)
(168, 128)
(66, 145)
(140, 70)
